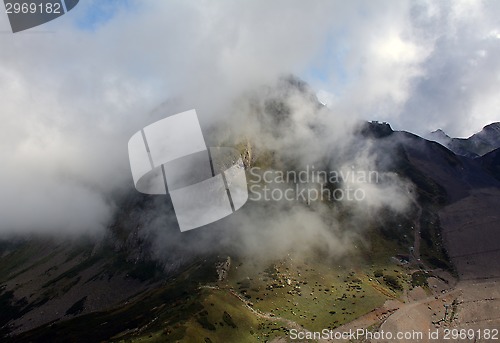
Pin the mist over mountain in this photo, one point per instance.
(356, 218)
(96, 88)
(420, 208)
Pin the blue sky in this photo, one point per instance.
(90, 14)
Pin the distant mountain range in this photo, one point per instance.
(479, 144)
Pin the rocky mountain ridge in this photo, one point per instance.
(476, 145)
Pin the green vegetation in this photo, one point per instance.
(432, 249)
(393, 282)
(229, 320)
(257, 301)
(419, 278)
(203, 321)
(314, 295)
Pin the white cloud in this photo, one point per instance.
(71, 99)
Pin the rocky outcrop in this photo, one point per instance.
(222, 268)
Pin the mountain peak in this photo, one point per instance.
(488, 139)
(439, 136)
(493, 128)
(439, 132)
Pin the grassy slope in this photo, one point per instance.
(319, 294)
(329, 296)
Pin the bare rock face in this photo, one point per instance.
(222, 268)
(247, 155)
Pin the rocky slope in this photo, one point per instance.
(476, 145)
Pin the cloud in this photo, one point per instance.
(288, 133)
(420, 65)
(458, 91)
(71, 97)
